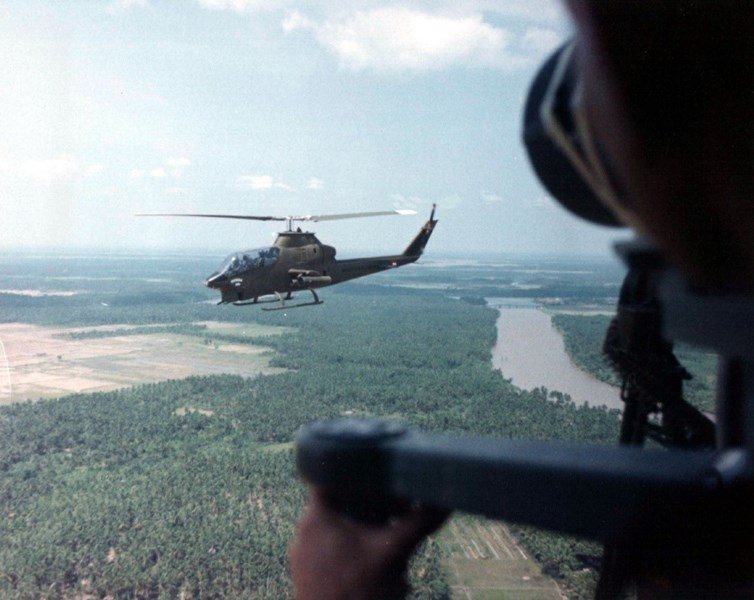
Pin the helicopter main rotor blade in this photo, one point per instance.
(245, 217)
(382, 213)
(289, 219)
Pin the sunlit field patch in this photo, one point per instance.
(45, 363)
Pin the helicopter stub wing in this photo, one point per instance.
(308, 278)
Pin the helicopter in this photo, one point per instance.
(298, 261)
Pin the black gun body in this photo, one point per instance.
(590, 491)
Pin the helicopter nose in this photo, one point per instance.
(216, 280)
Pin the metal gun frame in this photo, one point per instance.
(684, 515)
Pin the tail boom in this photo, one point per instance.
(415, 249)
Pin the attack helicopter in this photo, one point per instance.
(298, 261)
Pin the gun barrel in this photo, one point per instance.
(589, 491)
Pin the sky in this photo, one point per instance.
(275, 107)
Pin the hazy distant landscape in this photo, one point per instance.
(156, 459)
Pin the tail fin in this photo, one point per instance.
(416, 247)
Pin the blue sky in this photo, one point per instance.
(275, 107)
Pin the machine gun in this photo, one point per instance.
(680, 516)
(652, 378)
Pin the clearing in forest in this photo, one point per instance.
(40, 362)
(485, 561)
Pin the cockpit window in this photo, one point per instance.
(250, 259)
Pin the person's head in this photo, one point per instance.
(668, 94)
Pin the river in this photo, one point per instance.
(531, 352)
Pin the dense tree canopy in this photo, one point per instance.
(187, 488)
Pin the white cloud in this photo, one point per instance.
(177, 165)
(295, 20)
(397, 39)
(540, 11)
(261, 182)
(420, 36)
(241, 6)
(315, 183)
(255, 182)
(173, 167)
(401, 202)
(490, 198)
(534, 11)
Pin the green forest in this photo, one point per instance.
(584, 336)
(187, 488)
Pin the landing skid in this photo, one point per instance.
(284, 307)
(258, 301)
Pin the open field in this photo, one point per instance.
(484, 561)
(42, 363)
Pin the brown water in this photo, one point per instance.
(531, 352)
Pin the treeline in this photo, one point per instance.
(89, 334)
(584, 337)
(578, 293)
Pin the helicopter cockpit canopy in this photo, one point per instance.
(240, 262)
